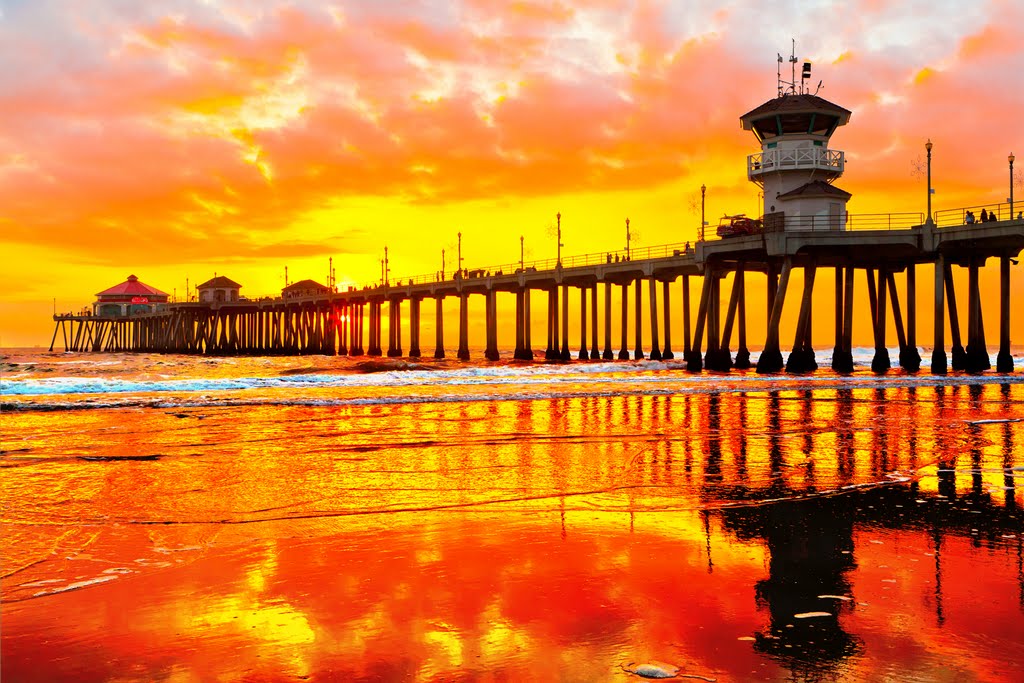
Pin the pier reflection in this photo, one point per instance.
(526, 540)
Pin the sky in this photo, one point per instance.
(179, 139)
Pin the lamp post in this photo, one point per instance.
(522, 254)
(458, 265)
(1010, 159)
(442, 264)
(558, 219)
(629, 237)
(703, 190)
(928, 147)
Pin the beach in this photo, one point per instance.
(313, 518)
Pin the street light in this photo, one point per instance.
(628, 238)
(387, 268)
(442, 264)
(703, 190)
(522, 254)
(459, 264)
(1010, 159)
(928, 147)
(558, 219)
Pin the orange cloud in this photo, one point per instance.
(233, 125)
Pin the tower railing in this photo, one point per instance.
(812, 158)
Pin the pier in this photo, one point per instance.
(352, 322)
(804, 227)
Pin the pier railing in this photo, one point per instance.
(856, 221)
(581, 260)
(956, 217)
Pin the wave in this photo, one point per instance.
(621, 387)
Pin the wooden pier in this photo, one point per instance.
(804, 225)
(351, 323)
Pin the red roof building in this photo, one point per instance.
(131, 296)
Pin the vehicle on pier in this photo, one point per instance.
(740, 224)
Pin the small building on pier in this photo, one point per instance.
(303, 289)
(795, 168)
(128, 298)
(219, 289)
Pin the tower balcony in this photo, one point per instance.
(809, 158)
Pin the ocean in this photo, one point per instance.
(178, 518)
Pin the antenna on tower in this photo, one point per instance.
(792, 66)
(818, 88)
(779, 73)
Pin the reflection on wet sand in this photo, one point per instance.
(836, 534)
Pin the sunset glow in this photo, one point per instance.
(175, 140)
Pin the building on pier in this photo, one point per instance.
(303, 289)
(131, 297)
(795, 168)
(219, 289)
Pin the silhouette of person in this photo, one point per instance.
(969, 219)
(984, 216)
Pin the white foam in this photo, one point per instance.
(623, 374)
(76, 585)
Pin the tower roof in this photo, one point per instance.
(817, 188)
(132, 287)
(219, 281)
(304, 285)
(795, 104)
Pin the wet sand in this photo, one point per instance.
(553, 526)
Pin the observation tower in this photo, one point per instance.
(795, 168)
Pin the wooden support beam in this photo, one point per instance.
(880, 362)
(938, 319)
(527, 332)
(801, 358)
(638, 350)
(742, 361)
(695, 362)
(730, 318)
(771, 356)
(655, 350)
(912, 362)
(623, 349)
(958, 356)
(56, 327)
(439, 327)
(977, 353)
(608, 354)
(584, 354)
(554, 350)
(897, 313)
(666, 291)
(687, 348)
(564, 354)
(1004, 361)
(463, 353)
(842, 360)
(520, 331)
